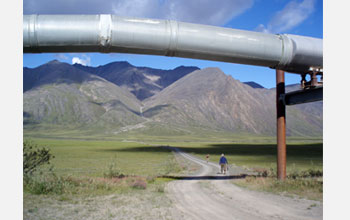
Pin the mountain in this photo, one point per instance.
(143, 82)
(254, 85)
(170, 101)
(60, 94)
(210, 99)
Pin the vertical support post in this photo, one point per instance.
(281, 126)
(314, 80)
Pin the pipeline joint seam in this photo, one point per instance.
(105, 35)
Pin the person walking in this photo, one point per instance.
(207, 157)
(223, 163)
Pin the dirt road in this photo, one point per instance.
(210, 195)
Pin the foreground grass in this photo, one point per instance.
(127, 170)
(100, 167)
(134, 203)
(99, 180)
(310, 188)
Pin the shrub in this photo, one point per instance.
(46, 184)
(33, 157)
(40, 183)
(113, 171)
(305, 174)
(138, 184)
(160, 188)
(151, 179)
(262, 172)
(171, 166)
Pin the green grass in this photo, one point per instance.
(300, 156)
(160, 134)
(83, 168)
(93, 158)
(89, 161)
(310, 188)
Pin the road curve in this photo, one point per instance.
(210, 195)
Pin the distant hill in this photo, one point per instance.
(143, 82)
(119, 97)
(254, 85)
(65, 95)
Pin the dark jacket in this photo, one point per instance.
(223, 160)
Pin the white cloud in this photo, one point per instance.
(289, 17)
(85, 61)
(261, 28)
(199, 11)
(61, 56)
(137, 8)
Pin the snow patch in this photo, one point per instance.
(153, 78)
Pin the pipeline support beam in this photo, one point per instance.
(304, 96)
(281, 126)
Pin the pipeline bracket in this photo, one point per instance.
(314, 82)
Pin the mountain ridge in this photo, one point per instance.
(143, 82)
(59, 93)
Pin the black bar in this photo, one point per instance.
(304, 96)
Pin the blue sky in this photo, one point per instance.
(301, 17)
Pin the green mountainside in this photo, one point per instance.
(68, 96)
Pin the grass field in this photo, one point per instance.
(80, 186)
(80, 160)
(300, 156)
(158, 135)
(93, 158)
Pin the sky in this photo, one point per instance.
(301, 17)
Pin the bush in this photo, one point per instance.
(33, 157)
(160, 188)
(138, 184)
(151, 179)
(39, 183)
(48, 183)
(113, 171)
(305, 174)
(171, 166)
(262, 172)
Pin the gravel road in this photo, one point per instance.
(210, 195)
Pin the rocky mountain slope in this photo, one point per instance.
(143, 82)
(209, 98)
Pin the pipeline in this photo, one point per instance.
(114, 34)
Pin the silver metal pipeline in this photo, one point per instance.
(109, 33)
